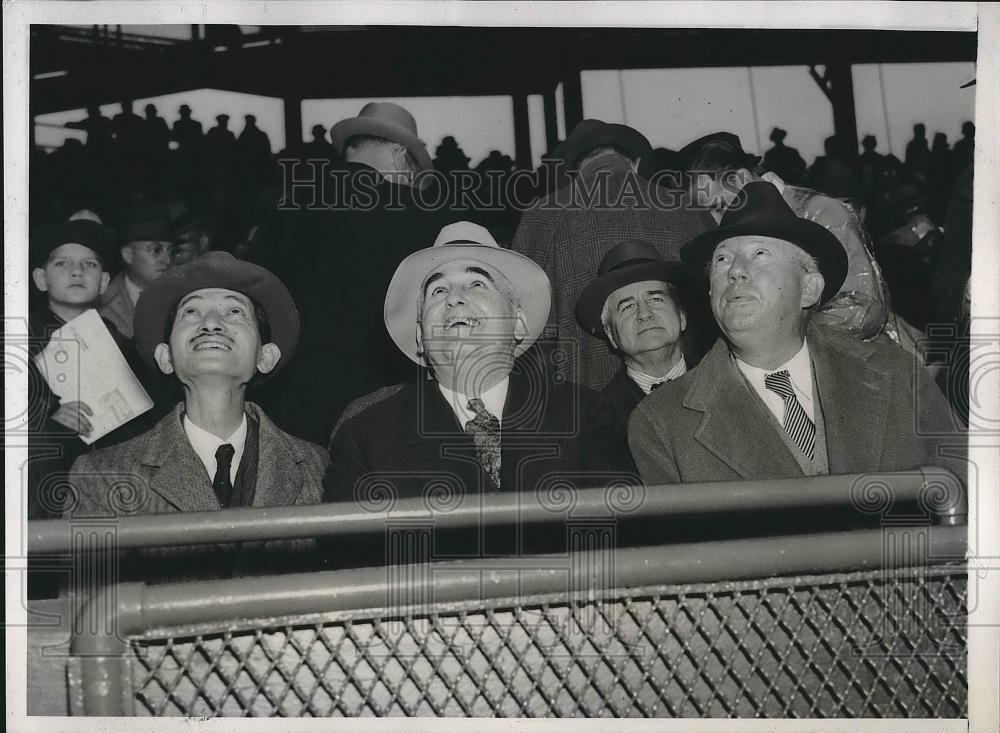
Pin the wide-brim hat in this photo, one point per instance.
(464, 241)
(628, 262)
(84, 232)
(592, 134)
(383, 119)
(216, 270)
(725, 142)
(759, 209)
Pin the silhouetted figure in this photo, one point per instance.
(220, 141)
(869, 158)
(449, 156)
(916, 149)
(831, 174)
(318, 147)
(670, 161)
(964, 150)
(496, 161)
(785, 161)
(155, 131)
(941, 176)
(187, 132)
(254, 142)
(98, 128)
(128, 128)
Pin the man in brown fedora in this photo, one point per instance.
(634, 304)
(608, 198)
(778, 396)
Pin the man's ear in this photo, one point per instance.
(105, 281)
(162, 356)
(127, 254)
(520, 326)
(611, 339)
(41, 282)
(683, 318)
(268, 357)
(812, 289)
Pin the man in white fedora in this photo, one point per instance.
(480, 417)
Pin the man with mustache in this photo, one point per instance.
(778, 396)
(219, 326)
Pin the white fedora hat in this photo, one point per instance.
(464, 241)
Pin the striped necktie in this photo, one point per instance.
(799, 427)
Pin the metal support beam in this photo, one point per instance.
(573, 100)
(522, 132)
(293, 122)
(551, 119)
(837, 85)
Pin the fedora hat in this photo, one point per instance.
(146, 222)
(759, 209)
(628, 262)
(591, 134)
(216, 270)
(383, 119)
(726, 143)
(464, 241)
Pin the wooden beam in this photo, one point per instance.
(293, 122)
(551, 119)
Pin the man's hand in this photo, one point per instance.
(74, 416)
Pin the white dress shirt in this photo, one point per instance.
(799, 370)
(494, 399)
(205, 445)
(646, 382)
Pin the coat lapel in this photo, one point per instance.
(279, 464)
(849, 388)
(734, 428)
(178, 475)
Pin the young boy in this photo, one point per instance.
(68, 271)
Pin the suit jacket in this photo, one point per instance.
(159, 472)
(568, 238)
(117, 307)
(882, 412)
(410, 444)
(608, 422)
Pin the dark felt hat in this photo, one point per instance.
(759, 209)
(592, 134)
(146, 223)
(629, 262)
(725, 142)
(216, 270)
(84, 232)
(383, 119)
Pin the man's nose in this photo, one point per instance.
(643, 311)
(738, 269)
(455, 297)
(211, 322)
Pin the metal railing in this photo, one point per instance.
(863, 623)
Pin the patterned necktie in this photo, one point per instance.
(485, 431)
(222, 484)
(797, 423)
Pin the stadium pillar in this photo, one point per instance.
(522, 132)
(293, 122)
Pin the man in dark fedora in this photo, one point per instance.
(339, 256)
(608, 199)
(779, 396)
(217, 325)
(634, 304)
(718, 167)
(147, 238)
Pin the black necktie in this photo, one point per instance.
(222, 484)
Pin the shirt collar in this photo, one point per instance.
(646, 382)
(494, 398)
(134, 291)
(799, 370)
(205, 444)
